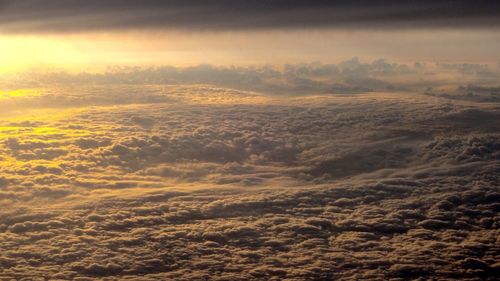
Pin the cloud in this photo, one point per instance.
(353, 76)
(71, 16)
(286, 234)
(202, 182)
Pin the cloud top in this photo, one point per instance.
(155, 182)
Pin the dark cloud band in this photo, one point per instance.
(217, 15)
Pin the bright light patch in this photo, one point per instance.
(20, 53)
(18, 93)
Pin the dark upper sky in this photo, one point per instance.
(33, 16)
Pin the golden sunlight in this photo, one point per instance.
(19, 53)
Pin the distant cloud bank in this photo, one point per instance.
(348, 77)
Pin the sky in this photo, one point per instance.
(94, 34)
(249, 140)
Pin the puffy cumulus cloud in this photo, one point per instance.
(198, 182)
(421, 229)
(352, 76)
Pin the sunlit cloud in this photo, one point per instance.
(249, 140)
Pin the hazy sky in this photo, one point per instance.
(94, 34)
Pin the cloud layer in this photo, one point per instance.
(70, 16)
(478, 81)
(155, 182)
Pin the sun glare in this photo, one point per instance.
(18, 93)
(20, 53)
